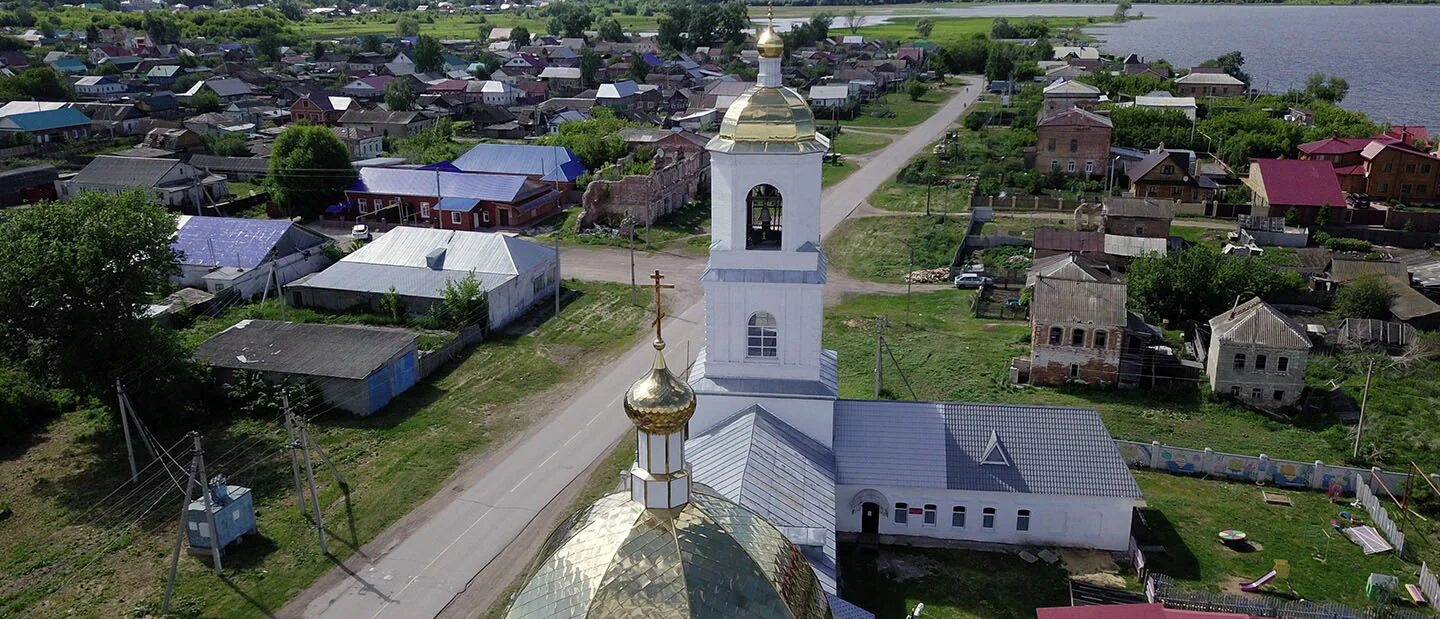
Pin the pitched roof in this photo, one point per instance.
(1069, 266)
(413, 182)
(549, 163)
(1335, 146)
(1071, 87)
(1067, 301)
(1211, 79)
(239, 242)
(1069, 240)
(334, 351)
(1051, 450)
(1153, 160)
(618, 90)
(569, 73)
(218, 164)
(1293, 182)
(1409, 303)
(45, 120)
(1347, 269)
(480, 252)
(109, 170)
(1257, 323)
(1075, 117)
(1137, 207)
(378, 117)
(229, 87)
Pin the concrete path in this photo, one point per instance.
(449, 546)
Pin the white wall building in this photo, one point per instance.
(1257, 355)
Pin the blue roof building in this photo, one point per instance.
(541, 163)
(222, 253)
(44, 126)
(69, 65)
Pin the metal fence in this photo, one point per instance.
(1161, 588)
(1379, 517)
(1428, 585)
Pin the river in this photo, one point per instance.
(1387, 53)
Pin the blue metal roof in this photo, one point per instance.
(413, 182)
(49, 119)
(237, 242)
(464, 205)
(549, 163)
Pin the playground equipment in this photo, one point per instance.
(1281, 571)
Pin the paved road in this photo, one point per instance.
(418, 566)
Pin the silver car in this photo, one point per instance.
(971, 280)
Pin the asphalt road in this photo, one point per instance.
(421, 564)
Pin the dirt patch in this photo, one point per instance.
(901, 569)
(1092, 566)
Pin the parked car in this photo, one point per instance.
(971, 280)
(361, 232)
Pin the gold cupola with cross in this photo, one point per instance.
(769, 113)
(662, 548)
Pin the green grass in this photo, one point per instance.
(954, 584)
(878, 248)
(1186, 513)
(856, 143)
(831, 173)
(908, 113)
(894, 195)
(947, 28)
(947, 354)
(1200, 236)
(443, 26)
(394, 461)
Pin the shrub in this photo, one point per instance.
(1346, 244)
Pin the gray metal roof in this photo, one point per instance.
(1256, 323)
(416, 282)
(1139, 207)
(1051, 450)
(827, 386)
(332, 351)
(481, 252)
(124, 171)
(1065, 301)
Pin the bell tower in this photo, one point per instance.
(764, 284)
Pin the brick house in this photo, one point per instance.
(441, 198)
(1167, 175)
(1140, 217)
(1278, 185)
(1258, 355)
(1383, 167)
(1077, 327)
(319, 109)
(1073, 141)
(1205, 84)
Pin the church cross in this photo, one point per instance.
(659, 302)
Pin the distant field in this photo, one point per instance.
(946, 28)
(442, 26)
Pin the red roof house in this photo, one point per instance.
(1129, 611)
(1295, 182)
(1409, 134)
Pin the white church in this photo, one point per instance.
(769, 431)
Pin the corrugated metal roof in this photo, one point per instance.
(413, 182)
(840, 609)
(1255, 322)
(48, 119)
(480, 252)
(826, 386)
(1065, 301)
(1069, 266)
(1140, 207)
(417, 282)
(333, 351)
(1051, 450)
(239, 242)
(1132, 246)
(550, 163)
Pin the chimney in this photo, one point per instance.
(435, 260)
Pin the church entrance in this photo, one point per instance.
(869, 519)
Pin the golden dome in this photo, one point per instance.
(659, 402)
(768, 114)
(707, 558)
(770, 44)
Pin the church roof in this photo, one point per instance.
(1050, 450)
(828, 384)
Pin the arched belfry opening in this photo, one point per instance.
(762, 219)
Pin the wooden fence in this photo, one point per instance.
(1379, 516)
(1428, 584)
(1160, 588)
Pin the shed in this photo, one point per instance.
(357, 368)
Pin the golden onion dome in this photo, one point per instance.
(707, 558)
(768, 114)
(660, 403)
(770, 44)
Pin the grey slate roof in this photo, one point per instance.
(331, 351)
(1052, 450)
(1065, 301)
(115, 171)
(1256, 323)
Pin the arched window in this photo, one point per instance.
(761, 336)
(930, 513)
(762, 218)
(957, 516)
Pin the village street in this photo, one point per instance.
(449, 557)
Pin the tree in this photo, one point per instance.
(596, 141)
(1198, 283)
(78, 276)
(638, 70)
(429, 56)
(372, 43)
(924, 27)
(610, 30)
(205, 101)
(309, 168)
(590, 64)
(854, 19)
(1122, 10)
(228, 145)
(520, 36)
(430, 145)
(107, 68)
(38, 83)
(462, 303)
(1367, 296)
(407, 26)
(1000, 62)
(161, 27)
(1329, 89)
(916, 90)
(820, 25)
(1230, 63)
(1001, 29)
(317, 50)
(569, 18)
(399, 96)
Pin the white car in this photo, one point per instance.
(971, 280)
(361, 232)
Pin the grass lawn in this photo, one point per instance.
(443, 26)
(831, 173)
(878, 248)
(908, 113)
(1185, 514)
(691, 219)
(953, 584)
(1200, 236)
(897, 196)
(394, 461)
(947, 354)
(948, 28)
(856, 143)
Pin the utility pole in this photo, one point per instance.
(1364, 399)
(205, 501)
(314, 496)
(879, 343)
(632, 262)
(179, 537)
(908, 279)
(125, 427)
(294, 444)
(557, 275)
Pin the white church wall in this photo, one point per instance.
(797, 177)
(799, 315)
(815, 417)
(1069, 521)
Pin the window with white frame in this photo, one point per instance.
(987, 518)
(425, 210)
(1070, 166)
(455, 217)
(930, 514)
(1022, 520)
(902, 513)
(957, 516)
(762, 336)
(1089, 167)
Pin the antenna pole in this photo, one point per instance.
(179, 535)
(205, 498)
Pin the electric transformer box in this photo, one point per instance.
(234, 509)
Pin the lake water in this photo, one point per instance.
(1388, 54)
